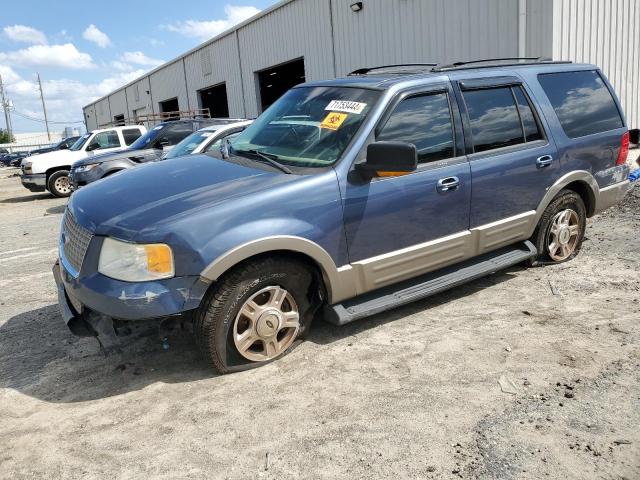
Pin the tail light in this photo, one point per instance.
(624, 149)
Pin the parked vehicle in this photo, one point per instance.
(397, 186)
(208, 139)
(50, 171)
(13, 159)
(63, 144)
(150, 147)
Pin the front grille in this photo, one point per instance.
(75, 241)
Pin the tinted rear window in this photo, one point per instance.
(130, 135)
(494, 118)
(582, 102)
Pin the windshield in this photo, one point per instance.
(189, 144)
(147, 139)
(308, 126)
(80, 142)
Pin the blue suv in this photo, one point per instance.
(345, 198)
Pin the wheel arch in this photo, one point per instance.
(581, 182)
(336, 284)
(55, 169)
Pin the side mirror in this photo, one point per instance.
(91, 147)
(64, 146)
(389, 159)
(162, 144)
(634, 135)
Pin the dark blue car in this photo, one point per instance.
(346, 198)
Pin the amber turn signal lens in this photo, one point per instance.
(159, 258)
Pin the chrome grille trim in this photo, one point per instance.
(75, 241)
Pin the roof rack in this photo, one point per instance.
(364, 71)
(497, 62)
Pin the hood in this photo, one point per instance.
(133, 154)
(158, 193)
(58, 157)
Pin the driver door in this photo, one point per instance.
(104, 142)
(400, 227)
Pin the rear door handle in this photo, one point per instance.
(448, 184)
(544, 161)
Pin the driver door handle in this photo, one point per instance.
(544, 161)
(448, 184)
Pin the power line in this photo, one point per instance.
(42, 120)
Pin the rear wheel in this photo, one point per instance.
(58, 183)
(255, 315)
(560, 232)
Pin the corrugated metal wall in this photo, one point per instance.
(539, 34)
(212, 65)
(118, 104)
(606, 33)
(297, 29)
(138, 98)
(103, 112)
(387, 32)
(168, 83)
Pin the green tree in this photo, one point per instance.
(5, 138)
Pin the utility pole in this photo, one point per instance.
(44, 109)
(5, 107)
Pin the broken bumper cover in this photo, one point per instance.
(35, 183)
(82, 301)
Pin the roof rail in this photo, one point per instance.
(497, 62)
(364, 71)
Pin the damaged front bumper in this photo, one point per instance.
(89, 305)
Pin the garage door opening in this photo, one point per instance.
(170, 105)
(275, 81)
(215, 99)
(118, 120)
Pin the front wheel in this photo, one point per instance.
(561, 229)
(58, 183)
(255, 315)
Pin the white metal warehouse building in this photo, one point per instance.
(241, 71)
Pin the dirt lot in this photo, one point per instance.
(412, 393)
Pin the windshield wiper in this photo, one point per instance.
(270, 158)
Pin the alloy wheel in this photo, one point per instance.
(563, 235)
(266, 325)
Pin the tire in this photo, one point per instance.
(221, 327)
(56, 183)
(559, 235)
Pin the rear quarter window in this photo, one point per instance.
(583, 103)
(130, 135)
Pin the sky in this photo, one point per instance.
(83, 51)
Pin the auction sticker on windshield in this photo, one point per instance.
(346, 106)
(333, 121)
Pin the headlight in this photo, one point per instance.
(132, 262)
(85, 168)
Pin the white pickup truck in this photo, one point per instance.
(50, 171)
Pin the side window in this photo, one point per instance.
(173, 134)
(531, 129)
(130, 135)
(215, 146)
(424, 121)
(583, 103)
(494, 118)
(108, 139)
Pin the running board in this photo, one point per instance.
(429, 284)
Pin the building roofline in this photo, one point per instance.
(206, 43)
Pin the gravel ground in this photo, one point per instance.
(412, 393)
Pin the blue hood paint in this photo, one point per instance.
(135, 200)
